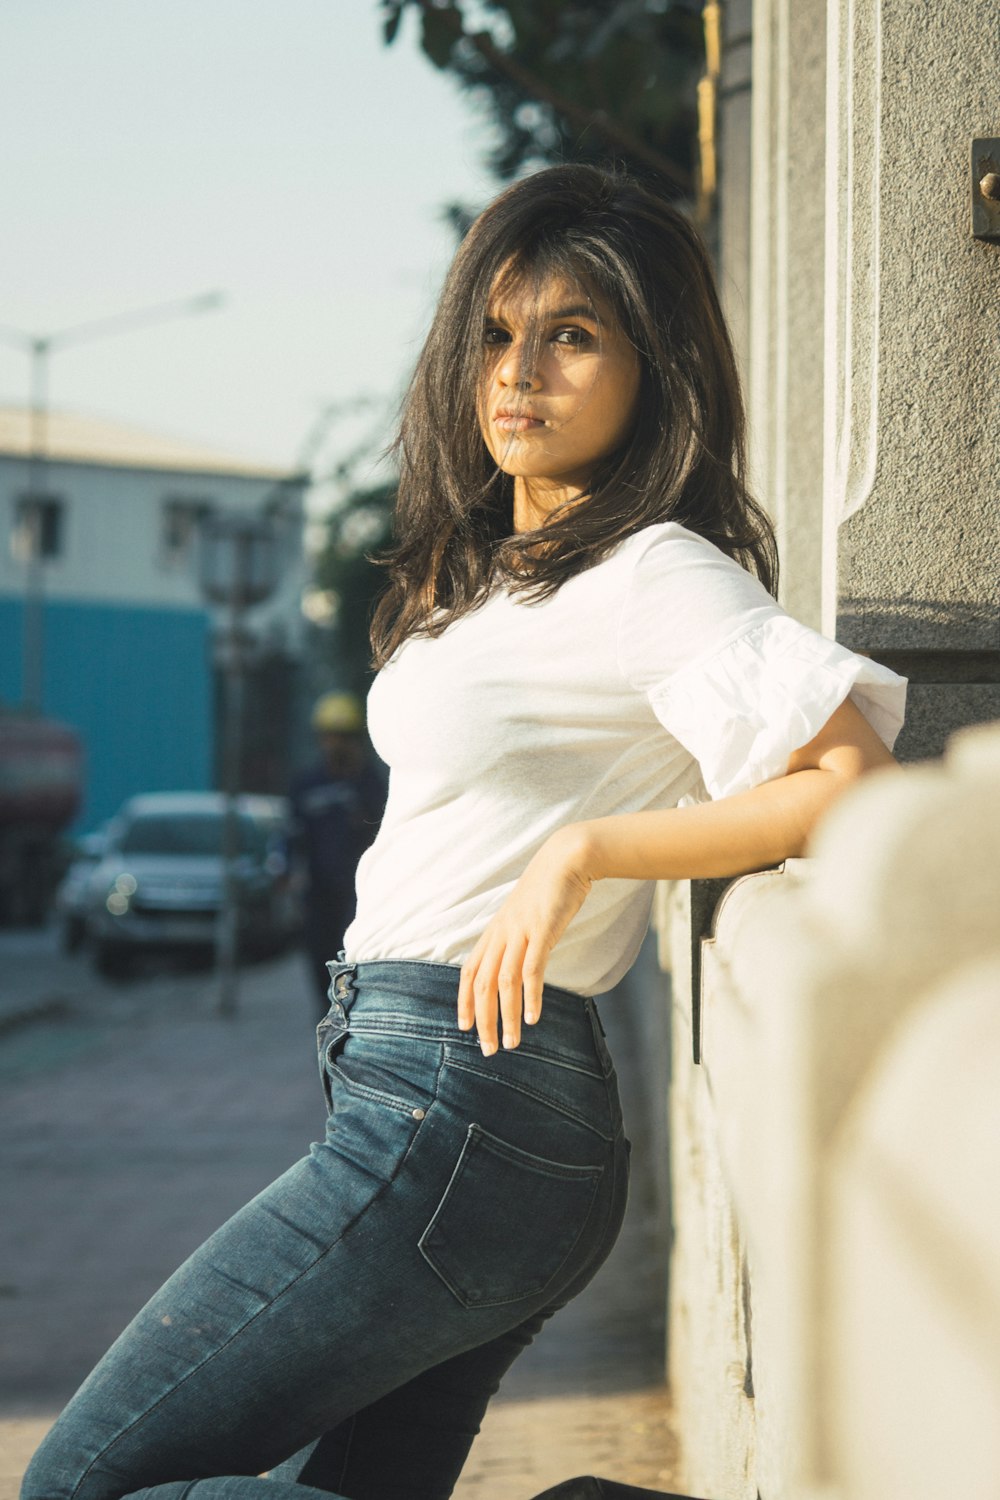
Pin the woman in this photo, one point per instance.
(571, 644)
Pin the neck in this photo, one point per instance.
(536, 499)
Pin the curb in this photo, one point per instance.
(50, 1008)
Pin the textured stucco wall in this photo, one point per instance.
(864, 313)
(913, 359)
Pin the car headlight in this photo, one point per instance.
(120, 894)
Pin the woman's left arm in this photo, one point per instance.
(744, 832)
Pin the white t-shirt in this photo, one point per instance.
(664, 672)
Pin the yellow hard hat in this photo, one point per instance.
(338, 713)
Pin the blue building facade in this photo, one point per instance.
(126, 638)
(134, 682)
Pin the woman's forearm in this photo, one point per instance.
(729, 837)
(739, 833)
(744, 832)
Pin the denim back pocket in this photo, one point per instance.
(508, 1221)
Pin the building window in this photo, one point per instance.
(39, 528)
(179, 523)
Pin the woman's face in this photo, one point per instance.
(559, 393)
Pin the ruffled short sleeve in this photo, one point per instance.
(733, 678)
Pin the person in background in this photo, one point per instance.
(337, 807)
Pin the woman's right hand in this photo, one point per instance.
(504, 974)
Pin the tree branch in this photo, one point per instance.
(613, 132)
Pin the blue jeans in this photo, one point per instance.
(345, 1331)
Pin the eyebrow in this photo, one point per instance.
(578, 310)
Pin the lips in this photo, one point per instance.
(516, 421)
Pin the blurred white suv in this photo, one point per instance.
(159, 884)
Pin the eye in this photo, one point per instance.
(494, 335)
(573, 336)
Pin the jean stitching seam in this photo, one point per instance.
(536, 1054)
(461, 1067)
(614, 1173)
(419, 1033)
(377, 1097)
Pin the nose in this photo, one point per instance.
(515, 371)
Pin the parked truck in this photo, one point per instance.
(41, 783)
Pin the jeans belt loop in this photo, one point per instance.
(342, 975)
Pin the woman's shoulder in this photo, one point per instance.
(667, 553)
(669, 544)
(671, 571)
(685, 598)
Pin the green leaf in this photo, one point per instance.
(439, 34)
(394, 14)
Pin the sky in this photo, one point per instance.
(275, 150)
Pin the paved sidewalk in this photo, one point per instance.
(38, 980)
(133, 1121)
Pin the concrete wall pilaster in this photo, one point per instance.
(912, 358)
(786, 286)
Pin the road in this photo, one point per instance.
(133, 1119)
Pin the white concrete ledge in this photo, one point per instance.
(837, 1156)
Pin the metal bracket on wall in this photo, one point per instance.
(705, 898)
(986, 188)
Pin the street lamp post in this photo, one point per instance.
(32, 625)
(238, 569)
(39, 348)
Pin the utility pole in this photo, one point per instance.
(238, 569)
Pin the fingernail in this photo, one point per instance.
(488, 1048)
(509, 1040)
(531, 1016)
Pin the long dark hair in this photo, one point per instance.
(684, 459)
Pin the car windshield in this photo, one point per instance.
(187, 833)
